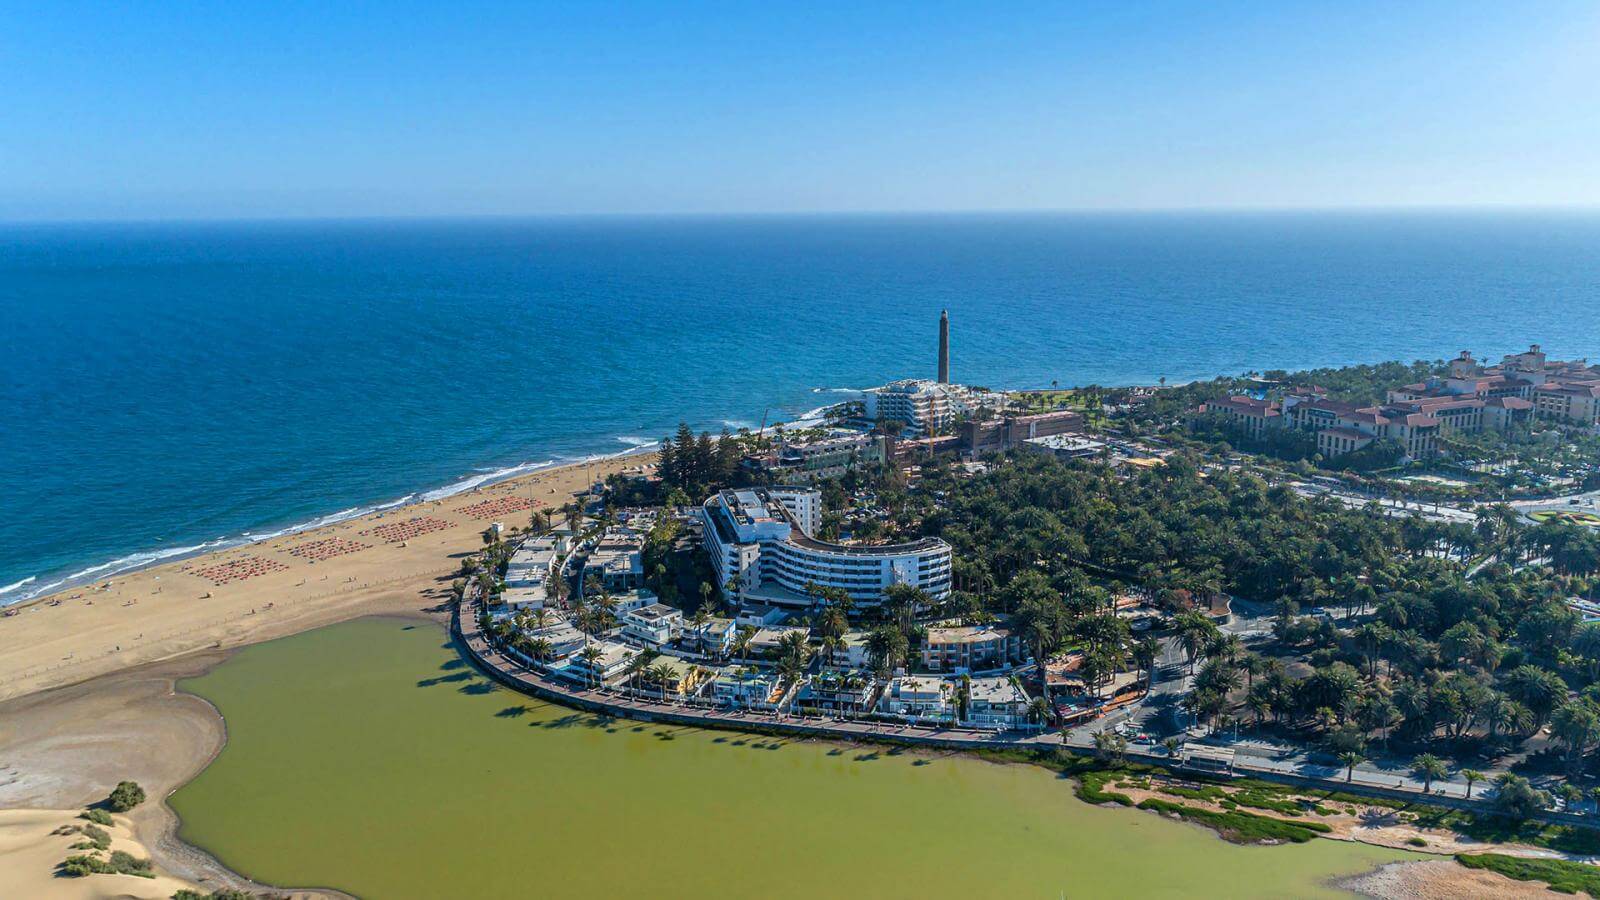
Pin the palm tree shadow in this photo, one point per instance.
(511, 712)
(445, 679)
(477, 688)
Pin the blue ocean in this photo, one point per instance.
(172, 386)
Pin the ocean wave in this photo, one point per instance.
(329, 519)
(478, 480)
(27, 588)
(131, 562)
(19, 584)
(839, 390)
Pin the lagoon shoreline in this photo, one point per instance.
(88, 675)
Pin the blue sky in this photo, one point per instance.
(175, 110)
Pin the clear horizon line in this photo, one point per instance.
(1579, 208)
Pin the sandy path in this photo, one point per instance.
(1440, 879)
(270, 589)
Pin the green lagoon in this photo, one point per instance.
(369, 757)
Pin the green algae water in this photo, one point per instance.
(370, 758)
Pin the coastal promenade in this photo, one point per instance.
(517, 676)
(607, 702)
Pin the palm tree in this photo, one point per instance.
(660, 675)
(1109, 745)
(1039, 710)
(1428, 767)
(1171, 745)
(1145, 650)
(831, 645)
(793, 654)
(741, 641)
(589, 654)
(1351, 759)
(1472, 776)
(636, 666)
(540, 649)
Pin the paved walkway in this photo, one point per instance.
(1255, 757)
(515, 674)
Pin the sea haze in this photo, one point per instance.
(166, 386)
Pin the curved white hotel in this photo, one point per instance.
(762, 536)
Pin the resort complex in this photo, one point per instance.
(1029, 577)
(1468, 398)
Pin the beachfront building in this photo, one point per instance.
(610, 662)
(529, 571)
(851, 653)
(564, 639)
(656, 624)
(925, 407)
(670, 678)
(766, 642)
(714, 637)
(747, 688)
(970, 648)
(806, 462)
(918, 697)
(759, 540)
(996, 702)
(628, 601)
(844, 693)
(617, 559)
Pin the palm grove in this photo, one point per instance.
(1410, 650)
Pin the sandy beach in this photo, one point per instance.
(397, 561)
(87, 675)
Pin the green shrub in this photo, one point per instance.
(125, 863)
(98, 839)
(1091, 789)
(84, 864)
(97, 816)
(1561, 875)
(1259, 800)
(1416, 842)
(1241, 827)
(125, 796)
(120, 863)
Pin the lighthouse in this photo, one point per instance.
(944, 346)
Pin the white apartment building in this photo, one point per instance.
(762, 538)
(928, 406)
(529, 570)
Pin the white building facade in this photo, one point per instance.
(761, 537)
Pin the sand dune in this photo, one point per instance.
(31, 848)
